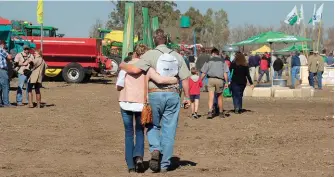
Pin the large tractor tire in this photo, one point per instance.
(73, 73)
(116, 61)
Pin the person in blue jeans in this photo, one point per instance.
(315, 68)
(278, 65)
(164, 101)
(133, 95)
(4, 80)
(295, 70)
(20, 60)
(240, 71)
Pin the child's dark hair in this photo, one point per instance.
(194, 71)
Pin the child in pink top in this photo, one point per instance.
(195, 84)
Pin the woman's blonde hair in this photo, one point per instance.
(141, 49)
(39, 52)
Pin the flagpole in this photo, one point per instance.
(42, 31)
(313, 36)
(317, 48)
(305, 35)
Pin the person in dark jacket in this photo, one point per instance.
(253, 63)
(240, 71)
(278, 68)
(295, 70)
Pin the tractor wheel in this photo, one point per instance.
(73, 73)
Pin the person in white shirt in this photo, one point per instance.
(303, 59)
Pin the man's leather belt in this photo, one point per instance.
(163, 90)
(214, 77)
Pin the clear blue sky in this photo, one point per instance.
(75, 18)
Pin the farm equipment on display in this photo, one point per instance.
(27, 29)
(75, 58)
(14, 42)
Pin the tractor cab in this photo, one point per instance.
(103, 32)
(24, 28)
(13, 42)
(35, 30)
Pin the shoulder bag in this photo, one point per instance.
(146, 115)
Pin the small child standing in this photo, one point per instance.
(195, 84)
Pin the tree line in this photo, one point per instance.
(211, 28)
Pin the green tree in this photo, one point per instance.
(206, 34)
(164, 10)
(94, 32)
(221, 29)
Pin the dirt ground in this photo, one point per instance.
(79, 132)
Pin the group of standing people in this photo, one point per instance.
(295, 61)
(30, 70)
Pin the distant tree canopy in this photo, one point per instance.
(169, 17)
(212, 28)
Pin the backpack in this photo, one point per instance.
(167, 65)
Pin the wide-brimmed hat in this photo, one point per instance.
(26, 47)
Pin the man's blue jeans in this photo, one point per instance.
(295, 74)
(165, 114)
(4, 87)
(319, 78)
(132, 151)
(277, 74)
(19, 94)
(261, 73)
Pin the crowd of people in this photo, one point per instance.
(157, 76)
(152, 73)
(29, 69)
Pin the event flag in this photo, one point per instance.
(39, 11)
(292, 17)
(301, 15)
(318, 14)
(313, 17)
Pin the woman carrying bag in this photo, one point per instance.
(134, 105)
(240, 74)
(35, 74)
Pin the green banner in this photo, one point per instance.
(154, 24)
(147, 32)
(128, 32)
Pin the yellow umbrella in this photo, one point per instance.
(263, 49)
(116, 36)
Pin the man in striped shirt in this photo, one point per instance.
(4, 80)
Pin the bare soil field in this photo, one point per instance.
(79, 133)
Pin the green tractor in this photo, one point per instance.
(112, 50)
(27, 29)
(14, 43)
